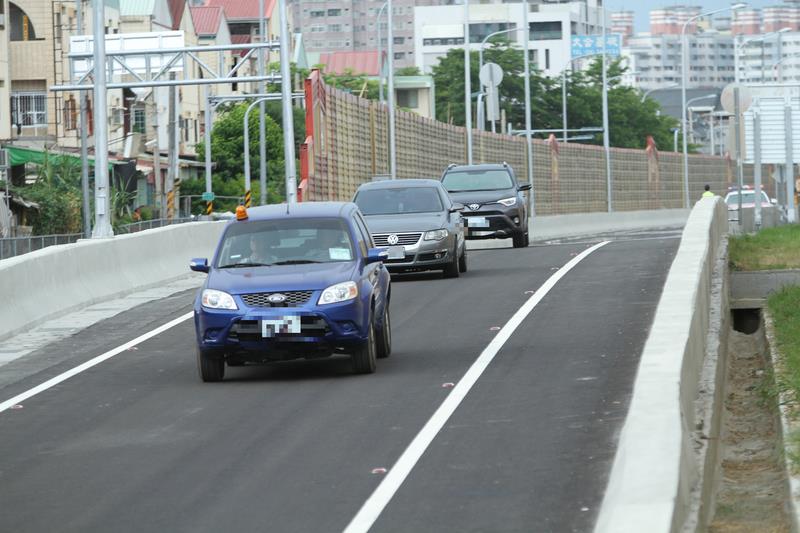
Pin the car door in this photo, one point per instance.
(375, 274)
(455, 221)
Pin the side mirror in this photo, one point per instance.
(456, 207)
(377, 255)
(774, 201)
(199, 264)
(524, 187)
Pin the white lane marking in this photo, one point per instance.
(386, 490)
(18, 399)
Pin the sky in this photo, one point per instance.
(642, 7)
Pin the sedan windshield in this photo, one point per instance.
(477, 180)
(399, 200)
(285, 242)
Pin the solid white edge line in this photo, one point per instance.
(19, 398)
(397, 474)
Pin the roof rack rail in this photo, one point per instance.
(451, 165)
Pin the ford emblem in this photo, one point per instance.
(474, 207)
(276, 298)
(392, 239)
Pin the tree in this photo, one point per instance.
(631, 119)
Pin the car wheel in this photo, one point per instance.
(520, 240)
(527, 239)
(211, 368)
(451, 270)
(385, 335)
(462, 261)
(364, 355)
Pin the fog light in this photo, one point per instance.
(516, 220)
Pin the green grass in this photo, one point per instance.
(770, 249)
(783, 306)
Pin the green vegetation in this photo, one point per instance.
(770, 249)
(783, 307)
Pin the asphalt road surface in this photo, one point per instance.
(138, 443)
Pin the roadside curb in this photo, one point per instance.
(788, 425)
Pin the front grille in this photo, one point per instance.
(403, 239)
(261, 299)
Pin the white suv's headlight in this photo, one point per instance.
(214, 299)
(341, 292)
(508, 202)
(436, 235)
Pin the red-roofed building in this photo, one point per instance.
(342, 62)
(242, 16)
(211, 24)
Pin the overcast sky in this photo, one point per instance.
(642, 7)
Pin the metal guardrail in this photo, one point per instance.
(150, 224)
(14, 246)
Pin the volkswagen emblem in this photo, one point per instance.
(276, 298)
(392, 239)
(474, 207)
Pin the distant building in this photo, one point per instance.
(622, 23)
(670, 20)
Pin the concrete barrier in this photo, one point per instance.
(655, 468)
(47, 283)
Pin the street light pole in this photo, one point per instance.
(467, 84)
(262, 125)
(102, 197)
(380, 54)
(647, 93)
(684, 75)
(390, 96)
(87, 214)
(286, 104)
(527, 73)
(606, 140)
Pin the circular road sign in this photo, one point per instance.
(491, 74)
(727, 98)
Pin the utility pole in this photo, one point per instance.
(172, 151)
(286, 104)
(207, 136)
(526, 37)
(606, 133)
(467, 84)
(84, 127)
(102, 199)
(157, 158)
(262, 126)
(390, 92)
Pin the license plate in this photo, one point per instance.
(282, 324)
(396, 252)
(477, 222)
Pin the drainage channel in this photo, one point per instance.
(752, 487)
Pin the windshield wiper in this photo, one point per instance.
(245, 265)
(296, 262)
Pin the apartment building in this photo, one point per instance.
(437, 29)
(760, 60)
(5, 74)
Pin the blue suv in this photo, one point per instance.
(289, 282)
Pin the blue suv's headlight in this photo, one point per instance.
(341, 292)
(436, 235)
(214, 299)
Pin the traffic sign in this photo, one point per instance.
(491, 75)
(583, 45)
(208, 196)
(727, 98)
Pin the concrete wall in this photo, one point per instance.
(656, 468)
(52, 281)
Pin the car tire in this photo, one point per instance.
(520, 240)
(210, 367)
(527, 239)
(462, 261)
(384, 345)
(364, 355)
(452, 270)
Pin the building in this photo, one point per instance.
(657, 59)
(670, 20)
(437, 29)
(622, 23)
(5, 73)
(760, 61)
(353, 25)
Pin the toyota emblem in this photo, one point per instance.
(392, 239)
(276, 298)
(474, 207)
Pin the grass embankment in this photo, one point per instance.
(770, 249)
(784, 307)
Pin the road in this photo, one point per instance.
(138, 443)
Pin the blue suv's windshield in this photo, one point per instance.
(399, 200)
(285, 242)
(477, 180)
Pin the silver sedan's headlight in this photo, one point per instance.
(341, 292)
(436, 235)
(214, 299)
(508, 202)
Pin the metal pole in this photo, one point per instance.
(736, 65)
(757, 165)
(390, 91)
(675, 140)
(262, 125)
(172, 150)
(467, 84)
(789, 165)
(102, 200)
(157, 158)
(286, 101)
(684, 75)
(738, 138)
(248, 195)
(526, 37)
(713, 137)
(606, 133)
(84, 127)
(564, 105)
(381, 96)
(762, 62)
(207, 134)
(780, 55)
(481, 118)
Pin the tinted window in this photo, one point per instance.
(399, 200)
(313, 240)
(477, 180)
